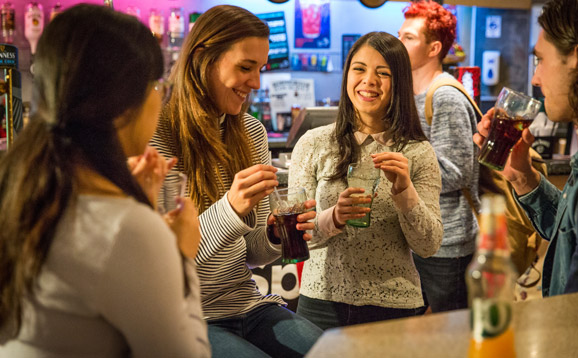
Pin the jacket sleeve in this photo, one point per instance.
(541, 206)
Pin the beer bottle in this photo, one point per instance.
(490, 278)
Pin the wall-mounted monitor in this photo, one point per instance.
(309, 118)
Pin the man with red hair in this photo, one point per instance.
(428, 33)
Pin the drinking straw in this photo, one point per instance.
(275, 192)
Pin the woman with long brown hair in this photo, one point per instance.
(225, 154)
(87, 267)
(359, 275)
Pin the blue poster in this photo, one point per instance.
(312, 24)
(278, 44)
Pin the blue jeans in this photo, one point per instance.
(329, 314)
(266, 331)
(443, 282)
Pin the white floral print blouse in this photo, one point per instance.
(374, 265)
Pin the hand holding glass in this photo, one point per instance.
(173, 190)
(514, 112)
(363, 176)
(286, 205)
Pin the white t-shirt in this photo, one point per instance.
(112, 286)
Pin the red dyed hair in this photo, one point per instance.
(440, 24)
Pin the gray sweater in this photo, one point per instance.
(453, 125)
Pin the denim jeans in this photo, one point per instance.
(329, 314)
(443, 282)
(266, 331)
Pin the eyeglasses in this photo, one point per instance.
(165, 88)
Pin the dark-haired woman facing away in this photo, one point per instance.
(358, 275)
(87, 267)
(225, 154)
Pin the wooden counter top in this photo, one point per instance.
(542, 328)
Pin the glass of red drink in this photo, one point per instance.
(514, 111)
(286, 205)
(311, 18)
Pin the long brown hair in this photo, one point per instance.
(192, 113)
(401, 115)
(79, 93)
(560, 24)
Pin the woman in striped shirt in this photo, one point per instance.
(225, 154)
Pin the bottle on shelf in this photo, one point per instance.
(7, 21)
(33, 24)
(176, 28)
(255, 107)
(266, 106)
(490, 278)
(56, 9)
(193, 16)
(133, 11)
(157, 24)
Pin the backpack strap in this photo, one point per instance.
(445, 81)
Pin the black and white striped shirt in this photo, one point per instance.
(229, 245)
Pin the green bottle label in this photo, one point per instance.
(490, 318)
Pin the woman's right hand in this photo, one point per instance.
(250, 186)
(347, 206)
(184, 222)
(518, 169)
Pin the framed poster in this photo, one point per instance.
(312, 24)
(347, 42)
(286, 94)
(278, 43)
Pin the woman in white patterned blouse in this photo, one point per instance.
(358, 275)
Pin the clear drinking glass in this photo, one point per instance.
(286, 205)
(514, 111)
(172, 189)
(365, 176)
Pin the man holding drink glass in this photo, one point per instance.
(553, 212)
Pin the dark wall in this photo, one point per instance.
(513, 46)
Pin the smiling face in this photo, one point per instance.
(554, 77)
(369, 84)
(237, 72)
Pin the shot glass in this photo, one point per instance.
(286, 205)
(172, 189)
(365, 176)
(514, 111)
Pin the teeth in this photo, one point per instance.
(240, 94)
(368, 94)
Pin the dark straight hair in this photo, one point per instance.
(559, 19)
(92, 66)
(401, 117)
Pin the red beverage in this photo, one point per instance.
(504, 133)
(294, 248)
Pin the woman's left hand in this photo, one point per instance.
(150, 170)
(395, 167)
(302, 219)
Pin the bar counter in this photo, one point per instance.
(542, 328)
